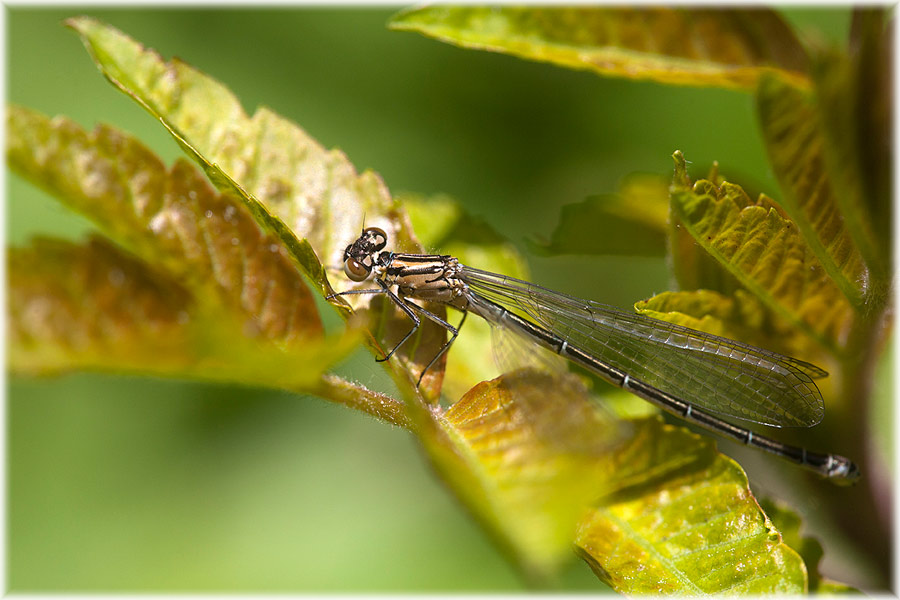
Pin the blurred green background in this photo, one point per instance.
(124, 484)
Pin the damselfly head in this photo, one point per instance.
(359, 257)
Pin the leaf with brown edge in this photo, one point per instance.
(289, 182)
(631, 222)
(682, 46)
(765, 252)
(796, 147)
(90, 306)
(692, 267)
(94, 307)
(172, 218)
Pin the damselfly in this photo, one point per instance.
(662, 363)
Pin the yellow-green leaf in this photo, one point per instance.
(288, 180)
(765, 252)
(94, 307)
(537, 445)
(795, 144)
(631, 222)
(693, 528)
(684, 46)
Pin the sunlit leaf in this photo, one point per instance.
(692, 266)
(287, 179)
(170, 217)
(517, 449)
(684, 46)
(765, 252)
(631, 222)
(688, 528)
(795, 145)
(94, 307)
(315, 191)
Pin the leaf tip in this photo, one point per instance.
(680, 178)
(81, 24)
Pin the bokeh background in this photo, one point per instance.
(126, 484)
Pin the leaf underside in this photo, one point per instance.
(682, 46)
(796, 151)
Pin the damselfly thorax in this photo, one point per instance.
(428, 277)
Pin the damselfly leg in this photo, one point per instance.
(410, 309)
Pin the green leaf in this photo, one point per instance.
(694, 529)
(765, 252)
(692, 267)
(290, 183)
(94, 307)
(631, 222)
(316, 192)
(683, 46)
(853, 108)
(796, 152)
(535, 461)
(789, 523)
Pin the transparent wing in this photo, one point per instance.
(512, 352)
(714, 373)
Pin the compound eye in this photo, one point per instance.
(378, 237)
(355, 270)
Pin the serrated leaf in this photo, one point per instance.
(207, 241)
(631, 222)
(692, 267)
(684, 46)
(289, 182)
(795, 145)
(766, 253)
(93, 307)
